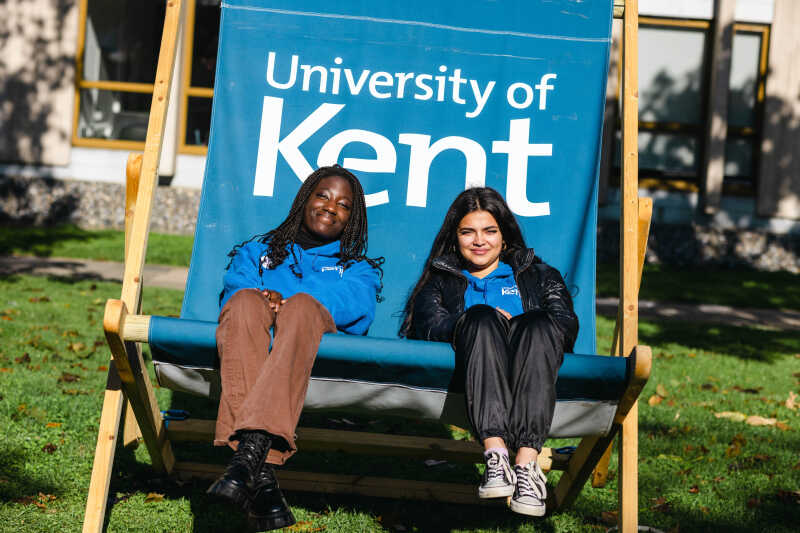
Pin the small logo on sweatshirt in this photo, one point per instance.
(265, 262)
(505, 291)
(335, 268)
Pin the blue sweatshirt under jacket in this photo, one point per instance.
(498, 289)
(349, 294)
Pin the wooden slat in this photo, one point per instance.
(104, 455)
(358, 442)
(628, 484)
(131, 282)
(600, 474)
(137, 387)
(355, 484)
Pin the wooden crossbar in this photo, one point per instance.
(364, 443)
(375, 487)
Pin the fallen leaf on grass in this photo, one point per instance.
(694, 489)
(23, 359)
(783, 426)
(760, 421)
(53, 425)
(102, 368)
(791, 401)
(76, 346)
(609, 517)
(37, 299)
(654, 400)
(9, 370)
(709, 386)
(735, 416)
(789, 497)
(661, 505)
(747, 390)
(752, 503)
(661, 390)
(736, 446)
(153, 497)
(67, 377)
(49, 448)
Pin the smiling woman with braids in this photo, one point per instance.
(307, 277)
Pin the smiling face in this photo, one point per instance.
(328, 208)
(480, 242)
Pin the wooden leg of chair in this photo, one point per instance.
(104, 454)
(131, 434)
(580, 468)
(600, 473)
(137, 387)
(629, 472)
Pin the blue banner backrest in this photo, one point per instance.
(419, 99)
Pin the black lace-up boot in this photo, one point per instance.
(268, 508)
(234, 485)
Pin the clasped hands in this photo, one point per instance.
(275, 299)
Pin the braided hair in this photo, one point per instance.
(353, 240)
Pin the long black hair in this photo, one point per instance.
(354, 235)
(446, 241)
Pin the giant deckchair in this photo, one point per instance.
(420, 101)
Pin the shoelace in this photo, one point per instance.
(496, 468)
(526, 486)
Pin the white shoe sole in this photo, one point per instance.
(495, 492)
(530, 510)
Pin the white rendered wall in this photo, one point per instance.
(760, 11)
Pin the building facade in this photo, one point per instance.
(718, 85)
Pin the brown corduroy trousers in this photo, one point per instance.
(264, 389)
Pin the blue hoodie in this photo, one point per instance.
(347, 293)
(498, 289)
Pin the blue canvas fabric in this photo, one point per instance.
(347, 293)
(498, 289)
(191, 343)
(419, 100)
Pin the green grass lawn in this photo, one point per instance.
(736, 287)
(697, 472)
(101, 245)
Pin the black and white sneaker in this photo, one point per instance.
(531, 490)
(498, 478)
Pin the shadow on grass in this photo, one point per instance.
(40, 241)
(743, 343)
(19, 482)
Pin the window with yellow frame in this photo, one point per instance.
(118, 45)
(673, 90)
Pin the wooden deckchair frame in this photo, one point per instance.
(130, 391)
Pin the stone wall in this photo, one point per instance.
(95, 205)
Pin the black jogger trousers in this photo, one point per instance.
(509, 370)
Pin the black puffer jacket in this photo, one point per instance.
(440, 303)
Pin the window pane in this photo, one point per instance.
(113, 115)
(206, 36)
(744, 79)
(668, 152)
(671, 74)
(739, 158)
(198, 121)
(122, 40)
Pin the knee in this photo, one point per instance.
(245, 302)
(300, 301)
(482, 314)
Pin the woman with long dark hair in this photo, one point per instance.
(307, 277)
(509, 317)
